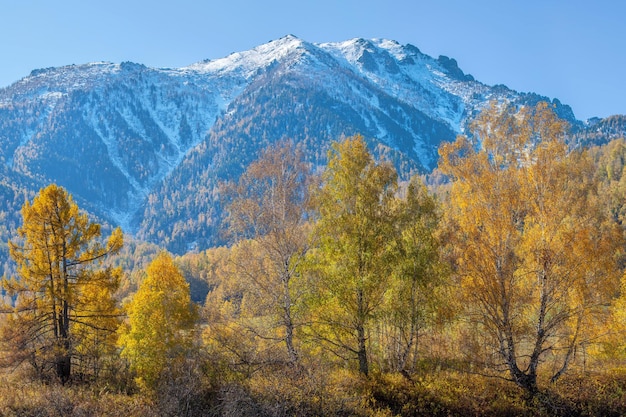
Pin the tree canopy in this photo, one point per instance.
(534, 253)
(355, 205)
(61, 303)
(160, 323)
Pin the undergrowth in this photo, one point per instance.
(326, 392)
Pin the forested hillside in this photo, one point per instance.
(146, 149)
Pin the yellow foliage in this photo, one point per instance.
(64, 312)
(534, 252)
(161, 319)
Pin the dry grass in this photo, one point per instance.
(324, 391)
(36, 399)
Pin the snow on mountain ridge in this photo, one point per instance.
(146, 148)
(401, 71)
(411, 76)
(247, 63)
(58, 80)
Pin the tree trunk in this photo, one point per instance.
(64, 359)
(360, 334)
(362, 352)
(64, 368)
(528, 382)
(291, 350)
(288, 321)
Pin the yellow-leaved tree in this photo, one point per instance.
(415, 291)
(611, 173)
(161, 319)
(63, 313)
(353, 268)
(535, 254)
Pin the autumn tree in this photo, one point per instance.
(355, 204)
(414, 294)
(62, 305)
(610, 162)
(535, 257)
(243, 323)
(161, 318)
(268, 213)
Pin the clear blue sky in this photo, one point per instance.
(572, 50)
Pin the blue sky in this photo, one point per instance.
(572, 50)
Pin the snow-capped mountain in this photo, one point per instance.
(145, 148)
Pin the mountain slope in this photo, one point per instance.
(147, 148)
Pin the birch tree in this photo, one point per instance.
(355, 222)
(269, 213)
(534, 254)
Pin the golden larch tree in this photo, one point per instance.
(61, 303)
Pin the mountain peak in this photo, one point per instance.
(451, 66)
(287, 38)
(247, 63)
(166, 137)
